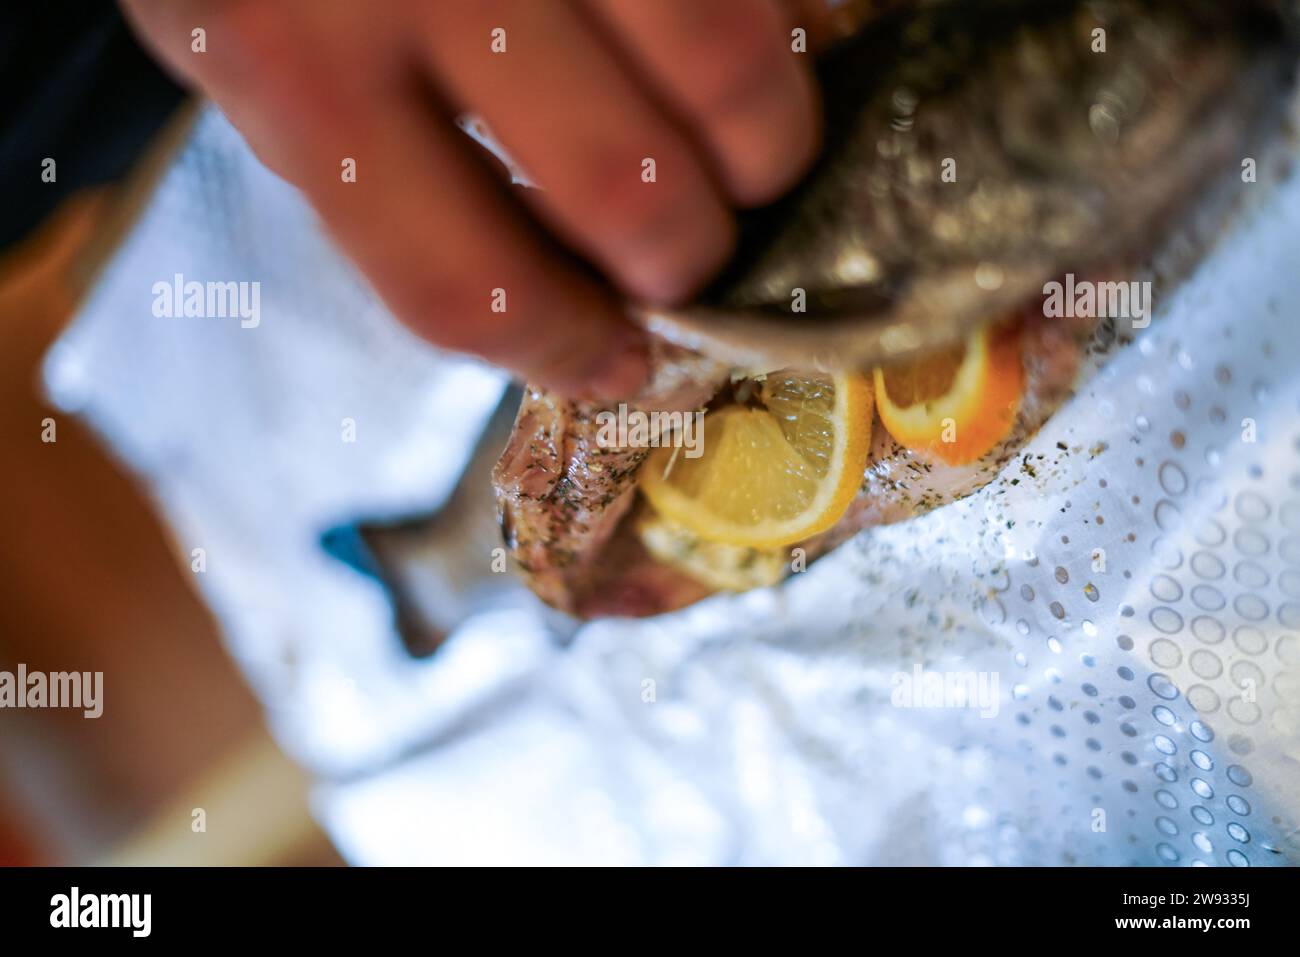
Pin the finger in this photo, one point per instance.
(729, 68)
(439, 240)
(471, 273)
(477, 276)
(619, 181)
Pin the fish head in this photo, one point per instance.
(977, 150)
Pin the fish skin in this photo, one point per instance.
(567, 525)
(1063, 153)
(1062, 156)
(898, 483)
(1037, 203)
(561, 494)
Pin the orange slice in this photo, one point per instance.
(956, 403)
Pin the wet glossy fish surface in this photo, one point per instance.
(977, 149)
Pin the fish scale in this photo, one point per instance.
(1061, 157)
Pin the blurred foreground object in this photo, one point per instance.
(80, 548)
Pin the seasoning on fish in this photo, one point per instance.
(976, 152)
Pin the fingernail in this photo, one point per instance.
(668, 273)
(622, 371)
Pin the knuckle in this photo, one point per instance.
(624, 203)
(250, 31)
(653, 236)
(253, 47)
(502, 316)
(243, 47)
(728, 74)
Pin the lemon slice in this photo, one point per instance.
(718, 565)
(773, 472)
(957, 403)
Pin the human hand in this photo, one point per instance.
(581, 94)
